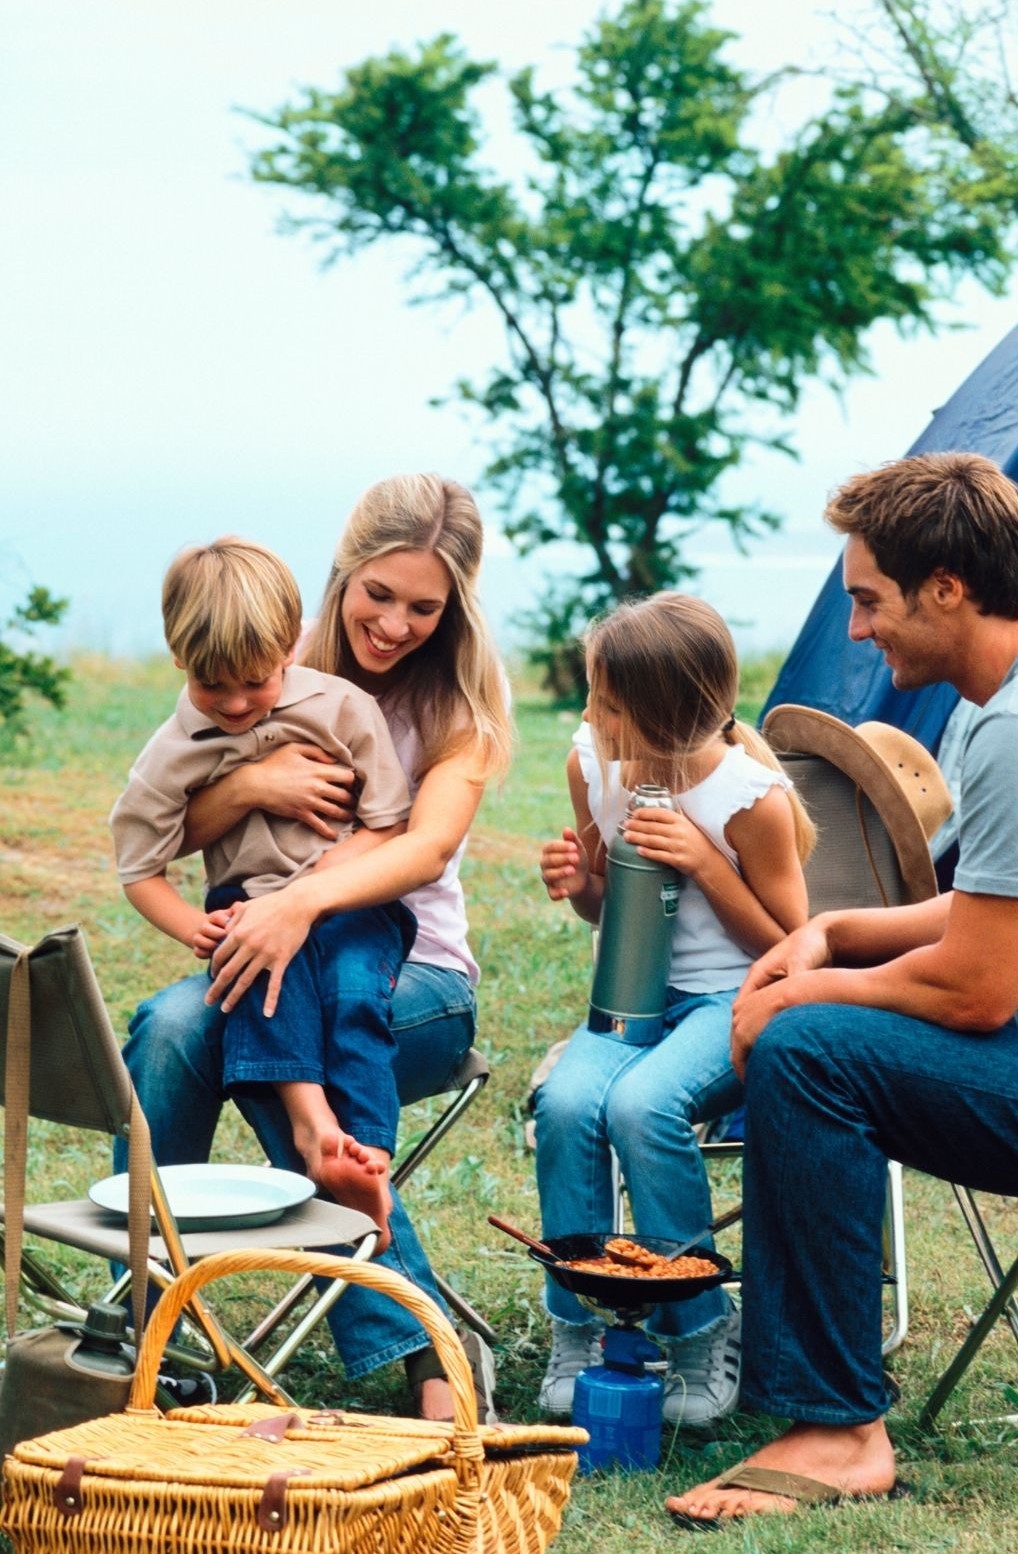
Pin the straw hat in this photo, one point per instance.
(895, 772)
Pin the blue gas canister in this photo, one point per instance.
(620, 1405)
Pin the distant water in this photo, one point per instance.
(765, 596)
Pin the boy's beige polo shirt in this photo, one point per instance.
(262, 851)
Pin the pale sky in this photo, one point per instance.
(173, 369)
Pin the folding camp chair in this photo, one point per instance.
(62, 1063)
(465, 1085)
(1001, 1304)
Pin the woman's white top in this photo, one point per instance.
(705, 959)
(439, 908)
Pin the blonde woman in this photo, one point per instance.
(401, 619)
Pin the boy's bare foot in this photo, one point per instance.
(855, 1460)
(355, 1176)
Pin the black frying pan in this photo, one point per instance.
(622, 1291)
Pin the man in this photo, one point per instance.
(882, 1033)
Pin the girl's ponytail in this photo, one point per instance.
(738, 733)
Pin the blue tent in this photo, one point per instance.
(850, 679)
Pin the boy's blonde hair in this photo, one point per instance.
(452, 686)
(668, 664)
(232, 607)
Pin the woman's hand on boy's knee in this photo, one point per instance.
(265, 935)
(565, 868)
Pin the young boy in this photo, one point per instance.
(232, 616)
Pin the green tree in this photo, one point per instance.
(666, 286)
(24, 672)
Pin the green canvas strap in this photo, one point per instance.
(16, 1129)
(17, 1075)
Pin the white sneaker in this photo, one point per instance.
(574, 1346)
(702, 1378)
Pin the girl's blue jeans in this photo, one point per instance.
(644, 1102)
(174, 1055)
(832, 1093)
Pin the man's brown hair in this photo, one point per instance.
(956, 511)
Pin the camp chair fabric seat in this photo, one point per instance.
(81, 1224)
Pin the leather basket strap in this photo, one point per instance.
(139, 1208)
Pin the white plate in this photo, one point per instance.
(216, 1197)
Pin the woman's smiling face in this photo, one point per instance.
(392, 605)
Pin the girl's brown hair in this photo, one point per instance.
(452, 687)
(668, 665)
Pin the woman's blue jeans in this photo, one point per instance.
(644, 1102)
(174, 1055)
(833, 1092)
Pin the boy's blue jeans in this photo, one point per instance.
(644, 1101)
(833, 1092)
(332, 1026)
(174, 1055)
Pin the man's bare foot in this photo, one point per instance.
(355, 1176)
(855, 1460)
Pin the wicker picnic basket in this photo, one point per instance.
(248, 1479)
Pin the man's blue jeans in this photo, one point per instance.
(833, 1092)
(174, 1055)
(644, 1101)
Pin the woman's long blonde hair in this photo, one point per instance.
(452, 687)
(668, 664)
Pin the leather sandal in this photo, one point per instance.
(772, 1481)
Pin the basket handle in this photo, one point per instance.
(220, 1264)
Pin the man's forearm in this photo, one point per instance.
(870, 936)
(914, 985)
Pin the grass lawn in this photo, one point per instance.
(55, 868)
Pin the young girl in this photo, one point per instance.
(663, 679)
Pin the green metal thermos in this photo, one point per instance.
(641, 898)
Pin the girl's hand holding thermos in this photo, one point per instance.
(667, 836)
